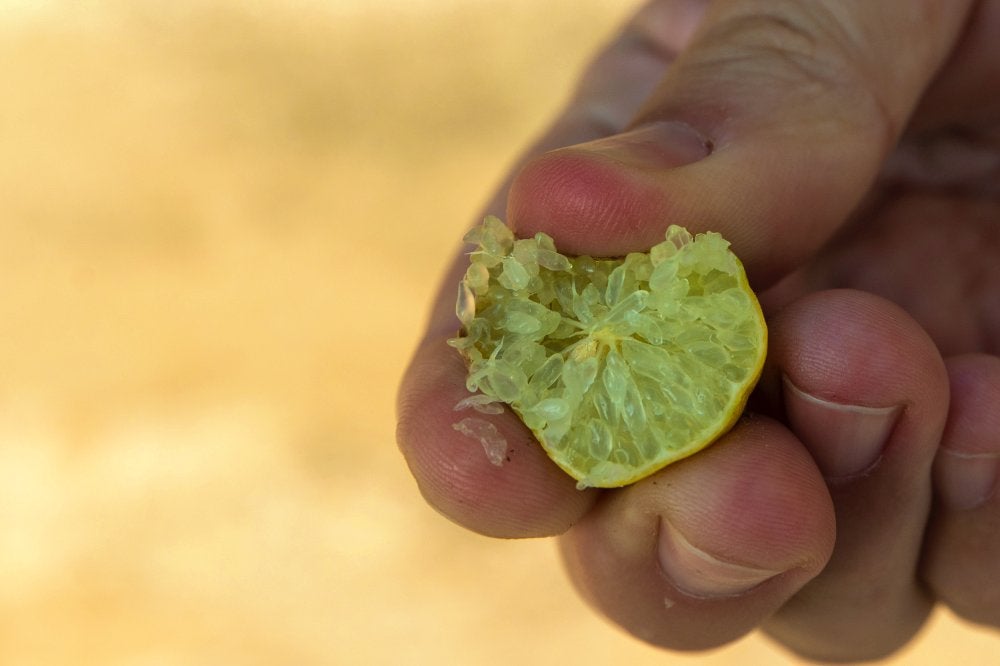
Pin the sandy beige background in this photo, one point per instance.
(221, 222)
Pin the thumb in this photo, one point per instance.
(769, 128)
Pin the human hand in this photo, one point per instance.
(837, 145)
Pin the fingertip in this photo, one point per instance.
(855, 349)
(967, 466)
(587, 203)
(619, 194)
(483, 471)
(866, 392)
(702, 552)
(962, 548)
(756, 496)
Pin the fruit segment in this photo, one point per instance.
(618, 366)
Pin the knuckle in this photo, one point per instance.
(780, 40)
(804, 53)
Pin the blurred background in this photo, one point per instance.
(221, 224)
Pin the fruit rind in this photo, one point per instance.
(618, 366)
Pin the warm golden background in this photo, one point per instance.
(221, 222)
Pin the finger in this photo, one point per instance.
(484, 471)
(769, 128)
(865, 390)
(962, 557)
(703, 551)
(611, 91)
(526, 495)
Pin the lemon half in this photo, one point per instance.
(618, 366)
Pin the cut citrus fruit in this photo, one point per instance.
(618, 366)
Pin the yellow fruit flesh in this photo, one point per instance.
(618, 366)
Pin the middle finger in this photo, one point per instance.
(866, 392)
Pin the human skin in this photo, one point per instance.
(850, 151)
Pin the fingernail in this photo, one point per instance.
(844, 440)
(699, 574)
(966, 480)
(659, 145)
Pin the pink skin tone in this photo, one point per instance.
(860, 190)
